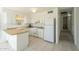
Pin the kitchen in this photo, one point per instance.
(36, 22)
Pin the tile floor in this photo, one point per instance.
(37, 44)
(66, 43)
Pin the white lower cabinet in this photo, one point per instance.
(40, 33)
(33, 31)
(37, 32)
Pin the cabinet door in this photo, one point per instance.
(22, 40)
(38, 18)
(40, 33)
(33, 31)
(41, 18)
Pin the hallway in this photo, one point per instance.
(66, 36)
(67, 42)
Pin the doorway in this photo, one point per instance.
(66, 35)
(65, 20)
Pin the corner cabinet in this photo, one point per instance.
(37, 32)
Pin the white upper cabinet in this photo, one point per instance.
(41, 19)
(37, 19)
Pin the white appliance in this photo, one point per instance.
(49, 28)
(49, 33)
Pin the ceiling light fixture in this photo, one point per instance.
(34, 10)
(69, 14)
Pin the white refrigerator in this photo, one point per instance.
(49, 28)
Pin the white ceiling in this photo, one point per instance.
(28, 9)
(39, 9)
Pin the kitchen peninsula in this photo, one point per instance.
(18, 38)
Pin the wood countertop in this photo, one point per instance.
(16, 31)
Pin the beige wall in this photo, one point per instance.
(76, 26)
